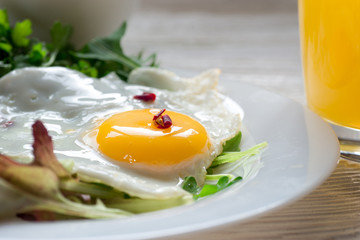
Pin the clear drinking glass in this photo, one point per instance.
(330, 44)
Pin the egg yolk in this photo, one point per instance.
(133, 137)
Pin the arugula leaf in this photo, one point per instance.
(233, 144)
(20, 33)
(109, 49)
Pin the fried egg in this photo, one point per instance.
(110, 135)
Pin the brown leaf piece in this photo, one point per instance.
(44, 151)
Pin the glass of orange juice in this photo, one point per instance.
(330, 44)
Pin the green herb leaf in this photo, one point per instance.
(60, 35)
(96, 59)
(4, 19)
(21, 32)
(190, 185)
(235, 180)
(233, 144)
(4, 23)
(207, 190)
(85, 67)
(37, 54)
(223, 182)
(109, 44)
(6, 47)
(109, 49)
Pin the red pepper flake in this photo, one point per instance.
(155, 118)
(164, 121)
(146, 97)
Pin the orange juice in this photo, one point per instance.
(330, 42)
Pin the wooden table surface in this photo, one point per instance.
(257, 42)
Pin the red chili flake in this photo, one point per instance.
(146, 97)
(158, 114)
(164, 121)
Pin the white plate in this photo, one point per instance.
(302, 153)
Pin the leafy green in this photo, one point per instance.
(229, 157)
(233, 144)
(4, 19)
(109, 49)
(21, 32)
(107, 53)
(6, 47)
(60, 36)
(86, 68)
(190, 185)
(223, 183)
(223, 180)
(97, 58)
(37, 54)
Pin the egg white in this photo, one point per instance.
(71, 105)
